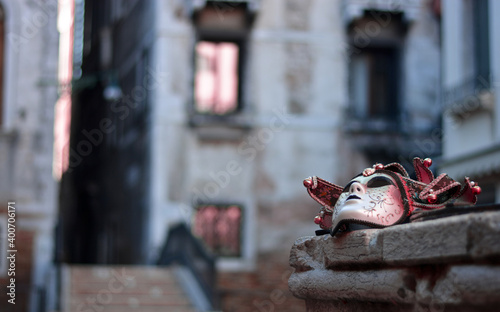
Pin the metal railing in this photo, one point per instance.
(467, 88)
(184, 249)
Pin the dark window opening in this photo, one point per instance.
(374, 66)
(374, 83)
(481, 43)
(220, 228)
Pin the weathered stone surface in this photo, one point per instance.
(459, 238)
(484, 234)
(370, 285)
(449, 264)
(439, 241)
(434, 241)
(339, 306)
(470, 285)
(352, 249)
(356, 248)
(455, 287)
(306, 254)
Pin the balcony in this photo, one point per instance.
(470, 96)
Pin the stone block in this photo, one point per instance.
(458, 238)
(370, 285)
(477, 285)
(344, 306)
(353, 249)
(436, 241)
(306, 254)
(483, 234)
(448, 264)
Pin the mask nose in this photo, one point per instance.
(357, 189)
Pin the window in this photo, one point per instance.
(219, 227)
(222, 29)
(481, 43)
(216, 77)
(374, 66)
(373, 83)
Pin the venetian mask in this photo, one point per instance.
(375, 200)
(385, 195)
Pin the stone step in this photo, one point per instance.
(102, 288)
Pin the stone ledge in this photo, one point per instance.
(459, 238)
(472, 285)
(449, 264)
(371, 285)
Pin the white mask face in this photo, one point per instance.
(374, 200)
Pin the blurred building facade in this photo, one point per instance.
(471, 69)
(28, 191)
(213, 112)
(321, 88)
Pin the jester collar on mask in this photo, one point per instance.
(383, 196)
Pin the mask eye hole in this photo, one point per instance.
(346, 188)
(379, 182)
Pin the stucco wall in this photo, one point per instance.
(26, 137)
